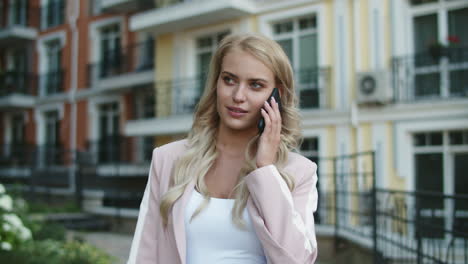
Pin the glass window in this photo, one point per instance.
(110, 63)
(299, 39)
(206, 46)
(425, 32)
(52, 128)
(18, 130)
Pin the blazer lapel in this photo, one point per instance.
(178, 213)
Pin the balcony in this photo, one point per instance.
(38, 164)
(177, 100)
(182, 15)
(426, 77)
(134, 66)
(52, 83)
(17, 89)
(122, 6)
(121, 156)
(18, 26)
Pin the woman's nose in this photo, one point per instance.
(239, 93)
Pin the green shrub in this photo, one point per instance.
(55, 252)
(49, 230)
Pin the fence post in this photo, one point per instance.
(335, 184)
(78, 180)
(418, 228)
(374, 211)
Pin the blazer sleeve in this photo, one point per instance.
(284, 219)
(143, 249)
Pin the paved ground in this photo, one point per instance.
(117, 245)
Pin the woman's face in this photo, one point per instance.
(243, 86)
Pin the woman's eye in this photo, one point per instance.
(256, 85)
(228, 80)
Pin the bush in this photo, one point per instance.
(55, 252)
(49, 246)
(13, 232)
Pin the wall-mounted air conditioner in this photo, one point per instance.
(373, 88)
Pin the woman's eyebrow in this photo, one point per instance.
(251, 79)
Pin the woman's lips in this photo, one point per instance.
(236, 112)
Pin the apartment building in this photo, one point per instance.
(71, 75)
(114, 79)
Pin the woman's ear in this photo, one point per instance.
(280, 88)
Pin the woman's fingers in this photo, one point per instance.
(274, 117)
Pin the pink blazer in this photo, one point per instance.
(283, 220)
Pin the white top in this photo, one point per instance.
(212, 237)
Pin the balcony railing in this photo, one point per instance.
(34, 156)
(120, 150)
(428, 76)
(182, 95)
(53, 82)
(126, 5)
(14, 82)
(53, 14)
(312, 86)
(132, 59)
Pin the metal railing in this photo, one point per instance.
(180, 96)
(132, 59)
(427, 76)
(421, 227)
(14, 82)
(34, 156)
(120, 150)
(395, 226)
(312, 85)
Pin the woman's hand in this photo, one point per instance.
(270, 138)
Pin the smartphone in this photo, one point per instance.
(276, 95)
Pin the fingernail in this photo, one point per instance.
(273, 99)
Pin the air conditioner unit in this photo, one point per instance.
(373, 87)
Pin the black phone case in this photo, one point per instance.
(275, 94)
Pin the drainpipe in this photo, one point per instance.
(73, 10)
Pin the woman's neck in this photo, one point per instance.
(233, 142)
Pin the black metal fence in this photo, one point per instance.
(397, 226)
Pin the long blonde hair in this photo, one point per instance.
(202, 152)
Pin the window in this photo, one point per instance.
(146, 54)
(51, 148)
(109, 139)
(205, 47)
(440, 40)
(310, 149)
(53, 12)
(144, 104)
(299, 39)
(110, 57)
(18, 12)
(18, 130)
(17, 74)
(440, 158)
(54, 76)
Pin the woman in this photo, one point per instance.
(227, 193)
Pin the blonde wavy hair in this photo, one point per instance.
(202, 152)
